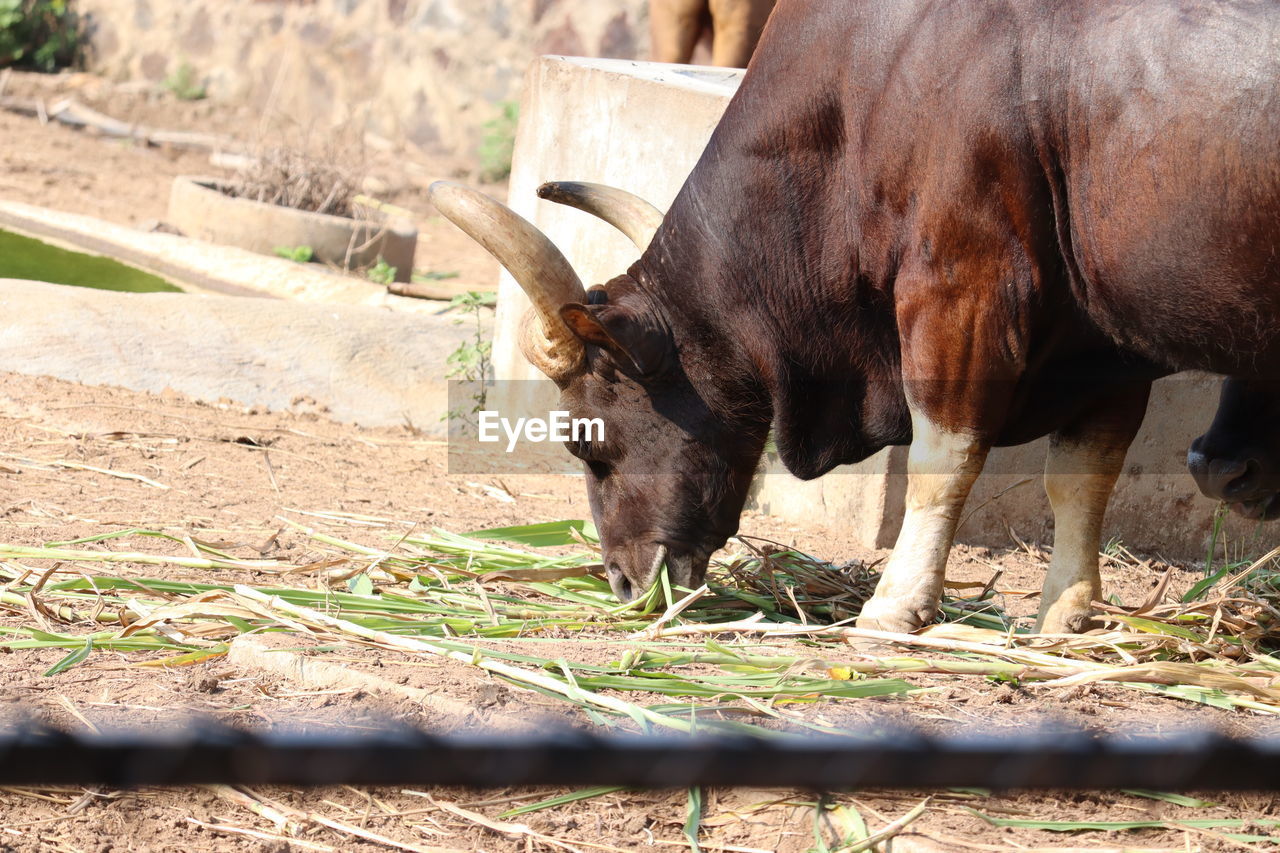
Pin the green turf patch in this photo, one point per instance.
(28, 258)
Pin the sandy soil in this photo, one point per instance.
(219, 473)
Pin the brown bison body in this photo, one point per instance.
(952, 225)
(734, 26)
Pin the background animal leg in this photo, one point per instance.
(675, 26)
(737, 25)
(1079, 476)
(941, 468)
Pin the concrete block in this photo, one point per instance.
(637, 126)
(642, 127)
(358, 364)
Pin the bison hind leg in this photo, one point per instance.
(1081, 470)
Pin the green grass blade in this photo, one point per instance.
(1150, 626)
(693, 820)
(103, 537)
(76, 657)
(1216, 824)
(547, 534)
(1199, 588)
(819, 818)
(198, 656)
(563, 799)
(1175, 799)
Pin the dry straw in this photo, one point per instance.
(726, 651)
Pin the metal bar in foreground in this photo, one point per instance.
(206, 753)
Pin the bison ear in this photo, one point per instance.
(626, 336)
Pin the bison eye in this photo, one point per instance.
(590, 452)
(585, 449)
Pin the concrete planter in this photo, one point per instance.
(356, 352)
(198, 266)
(200, 208)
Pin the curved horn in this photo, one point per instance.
(533, 261)
(625, 211)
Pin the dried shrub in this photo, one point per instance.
(318, 170)
(296, 178)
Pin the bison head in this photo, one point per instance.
(1238, 459)
(668, 482)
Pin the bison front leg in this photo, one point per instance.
(1080, 473)
(941, 468)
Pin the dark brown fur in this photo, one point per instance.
(1238, 459)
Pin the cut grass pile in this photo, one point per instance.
(438, 594)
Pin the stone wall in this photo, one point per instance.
(425, 72)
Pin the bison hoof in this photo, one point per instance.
(897, 615)
(1066, 622)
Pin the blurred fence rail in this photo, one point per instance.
(1037, 758)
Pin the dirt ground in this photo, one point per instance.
(78, 171)
(222, 474)
(78, 461)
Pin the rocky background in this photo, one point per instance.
(424, 73)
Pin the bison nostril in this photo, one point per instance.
(1245, 481)
(1217, 478)
(619, 582)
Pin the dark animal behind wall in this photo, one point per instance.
(1238, 459)
(952, 225)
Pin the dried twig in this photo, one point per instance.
(891, 830)
(70, 112)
